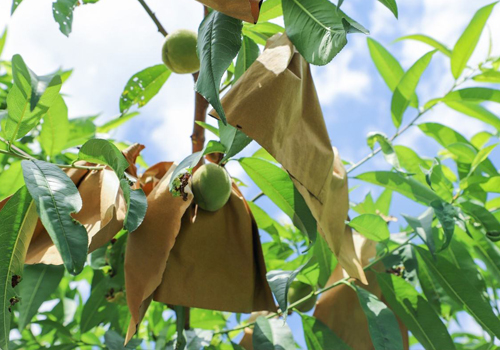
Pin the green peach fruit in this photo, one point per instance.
(211, 187)
(179, 52)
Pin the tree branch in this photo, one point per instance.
(153, 17)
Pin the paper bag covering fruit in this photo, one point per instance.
(246, 10)
(210, 259)
(103, 210)
(293, 130)
(339, 308)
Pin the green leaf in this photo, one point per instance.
(55, 128)
(249, 52)
(423, 227)
(63, 14)
(93, 311)
(386, 146)
(219, 40)
(136, 211)
(234, 140)
(56, 198)
(482, 215)
(80, 130)
(38, 283)
(208, 127)
(382, 324)
(475, 110)
(268, 224)
(143, 86)
(188, 163)
(101, 151)
(317, 29)
(388, 67)
(481, 156)
(15, 4)
(116, 122)
(28, 100)
(17, 223)
(406, 186)
(451, 279)
(319, 337)
(473, 94)
(279, 282)
(272, 334)
(406, 88)
(11, 180)
(446, 214)
(277, 185)
(468, 40)
(270, 9)
(456, 143)
(391, 5)
(415, 312)
(371, 226)
(429, 41)
(261, 31)
(490, 76)
(326, 260)
(115, 341)
(3, 39)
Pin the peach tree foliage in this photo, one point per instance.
(444, 262)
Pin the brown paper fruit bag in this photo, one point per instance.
(215, 262)
(102, 214)
(246, 10)
(103, 209)
(290, 126)
(339, 308)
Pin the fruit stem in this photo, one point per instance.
(153, 17)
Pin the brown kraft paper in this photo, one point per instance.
(246, 10)
(290, 126)
(339, 308)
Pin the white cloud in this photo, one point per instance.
(341, 78)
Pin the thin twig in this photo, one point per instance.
(64, 166)
(153, 17)
(322, 290)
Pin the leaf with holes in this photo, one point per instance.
(63, 14)
(143, 86)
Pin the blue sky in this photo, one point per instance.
(114, 39)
